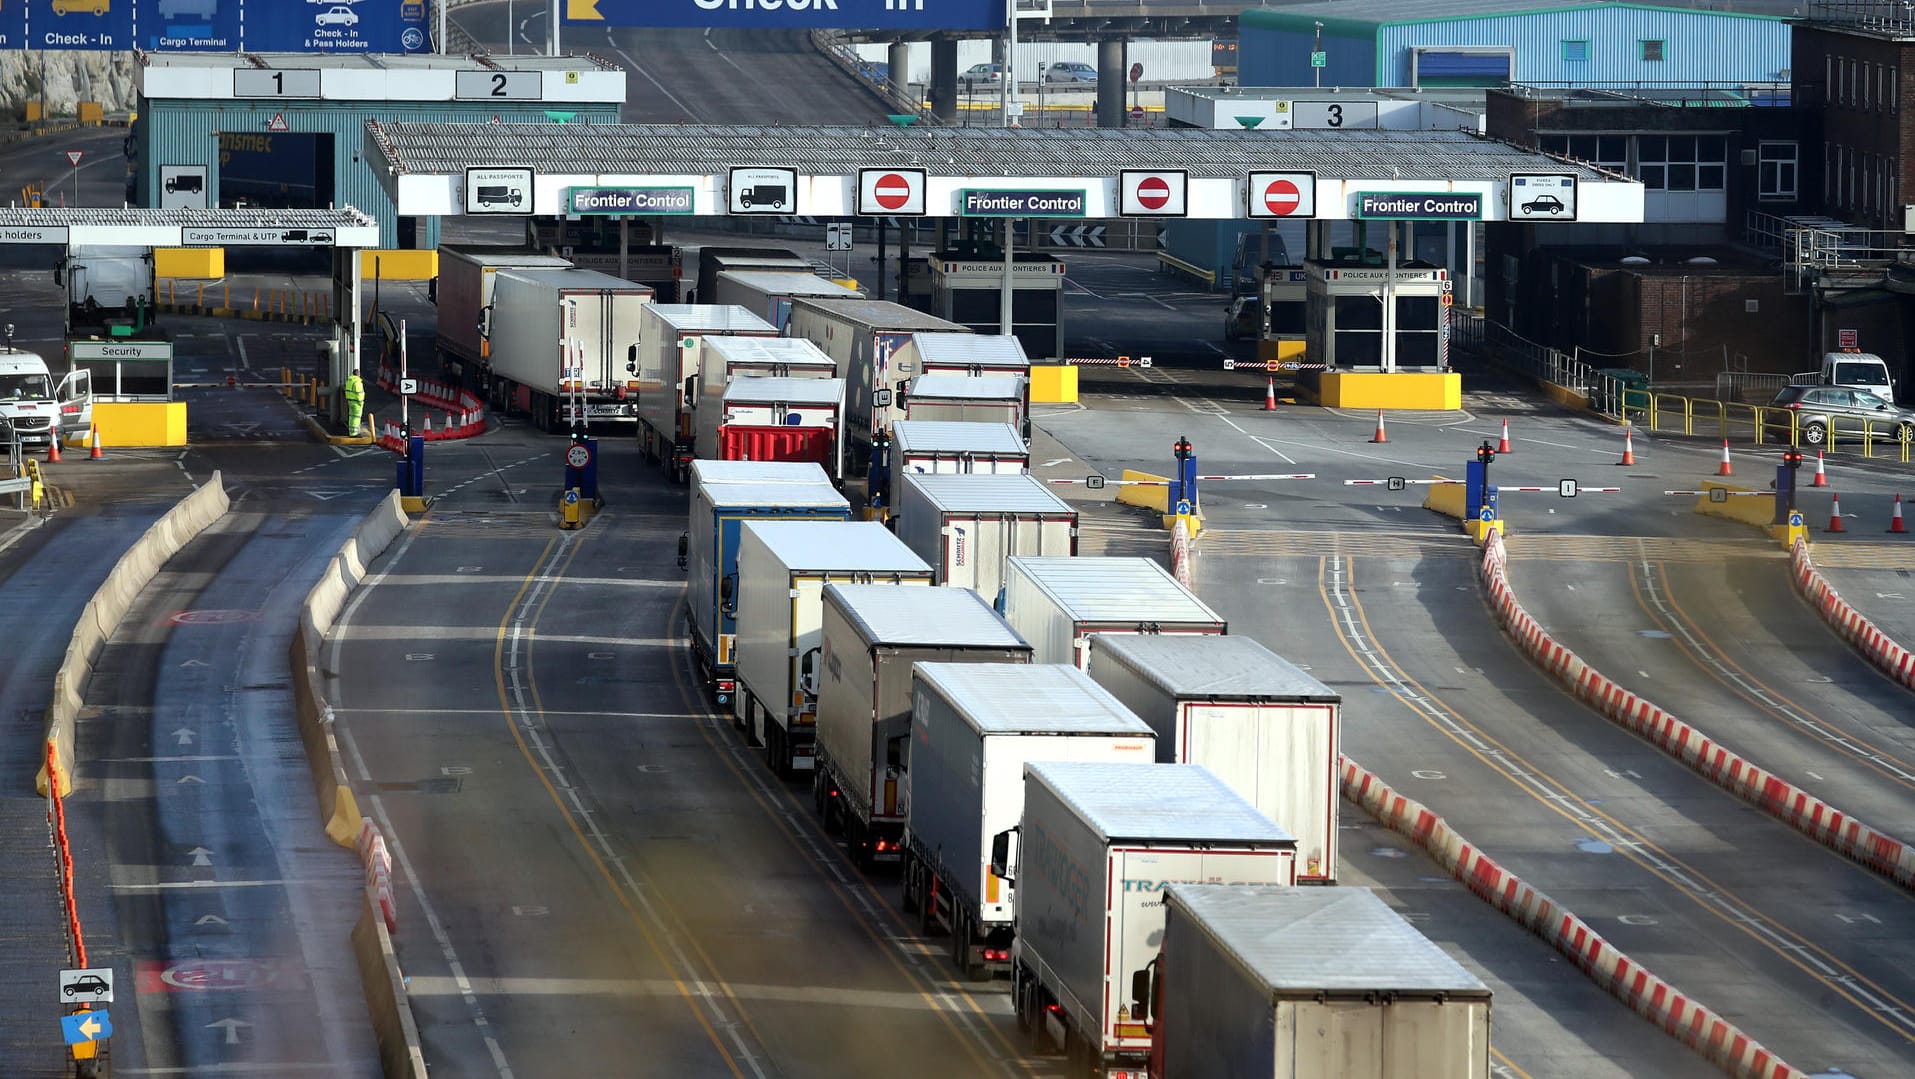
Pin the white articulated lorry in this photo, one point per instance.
(462, 292)
(783, 566)
(974, 726)
(549, 329)
(863, 336)
(1304, 983)
(1097, 846)
(725, 494)
(769, 293)
(1057, 603)
(970, 398)
(973, 355)
(767, 418)
(722, 359)
(666, 367)
(957, 447)
(870, 637)
(1263, 724)
(967, 526)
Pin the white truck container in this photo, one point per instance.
(462, 292)
(667, 370)
(1056, 603)
(953, 446)
(870, 637)
(725, 494)
(1257, 720)
(783, 566)
(977, 355)
(863, 336)
(974, 726)
(769, 293)
(782, 419)
(966, 526)
(1300, 983)
(105, 282)
(542, 323)
(723, 358)
(972, 398)
(1097, 846)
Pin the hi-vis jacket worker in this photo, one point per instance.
(355, 392)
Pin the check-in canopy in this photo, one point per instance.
(667, 170)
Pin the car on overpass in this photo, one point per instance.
(1822, 412)
(982, 75)
(1071, 71)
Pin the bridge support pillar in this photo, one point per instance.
(943, 83)
(1113, 74)
(899, 56)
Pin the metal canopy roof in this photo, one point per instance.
(168, 228)
(675, 149)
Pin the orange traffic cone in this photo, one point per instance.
(428, 428)
(1725, 468)
(1382, 436)
(450, 425)
(1503, 446)
(1895, 523)
(98, 453)
(1628, 448)
(53, 448)
(1835, 513)
(1270, 395)
(1821, 474)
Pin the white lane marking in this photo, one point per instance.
(661, 86)
(179, 885)
(501, 711)
(274, 1068)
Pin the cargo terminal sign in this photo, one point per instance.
(791, 14)
(664, 201)
(367, 26)
(975, 202)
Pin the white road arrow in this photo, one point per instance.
(195, 663)
(231, 1026)
(201, 856)
(188, 779)
(184, 735)
(210, 919)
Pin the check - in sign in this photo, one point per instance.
(1153, 193)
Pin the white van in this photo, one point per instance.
(34, 406)
(1858, 371)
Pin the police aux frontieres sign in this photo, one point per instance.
(790, 14)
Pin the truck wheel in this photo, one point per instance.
(907, 891)
(1020, 999)
(855, 843)
(961, 950)
(776, 753)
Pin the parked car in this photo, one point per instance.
(1071, 71)
(1822, 412)
(1243, 319)
(1548, 204)
(982, 75)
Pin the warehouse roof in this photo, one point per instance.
(437, 149)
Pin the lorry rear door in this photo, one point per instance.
(76, 401)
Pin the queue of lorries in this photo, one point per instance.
(1080, 776)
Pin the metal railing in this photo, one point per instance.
(1760, 425)
(1890, 17)
(1744, 385)
(1672, 94)
(875, 76)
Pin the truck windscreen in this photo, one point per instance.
(25, 388)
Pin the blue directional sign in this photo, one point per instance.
(366, 26)
(82, 1027)
(13, 26)
(190, 25)
(77, 24)
(791, 14)
(370, 26)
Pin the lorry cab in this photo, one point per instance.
(105, 282)
(1858, 371)
(34, 405)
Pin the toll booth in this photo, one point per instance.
(967, 292)
(1286, 317)
(1364, 316)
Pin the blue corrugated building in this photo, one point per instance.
(1493, 42)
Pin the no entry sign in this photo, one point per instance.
(1153, 193)
(1282, 194)
(891, 192)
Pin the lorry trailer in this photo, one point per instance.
(766, 418)
(1097, 846)
(1300, 983)
(954, 446)
(783, 567)
(462, 292)
(974, 726)
(1057, 603)
(966, 526)
(556, 334)
(768, 293)
(977, 355)
(970, 398)
(714, 259)
(1260, 722)
(725, 494)
(869, 638)
(665, 363)
(722, 359)
(862, 336)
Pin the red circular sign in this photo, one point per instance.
(1153, 193)
(1282, 198)
(891, 191)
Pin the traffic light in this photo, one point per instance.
(1181, 449)
(1792, 458)
(1485, 453)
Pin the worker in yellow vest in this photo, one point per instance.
(355, 392)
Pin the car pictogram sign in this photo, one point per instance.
(1282, 194)
(898, 192)
(1153, 193)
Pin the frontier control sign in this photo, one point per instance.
(1412, 206)
(791, 14)
(672, 201)
(973, 202)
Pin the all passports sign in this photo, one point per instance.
(792, 14)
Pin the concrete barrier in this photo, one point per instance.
(102, 615)
(384, 984)
(1786, 802)
(1445, 498)
(1741, 506)
(1877, 647)
(1649, 996)
(337, 806)
(140, 423)
(1150, 498)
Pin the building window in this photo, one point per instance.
(1650, 50)
(1894, 101)
(1605, 151)
(1775, 171)
(1576, 51)
(1828, 79)
(1866, 71)
(1682, 162)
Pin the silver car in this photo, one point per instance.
(1825, 412)
(982, 75)
(1071, 71)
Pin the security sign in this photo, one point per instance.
(891, 192)
(1282, 194)
(1153, 193)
